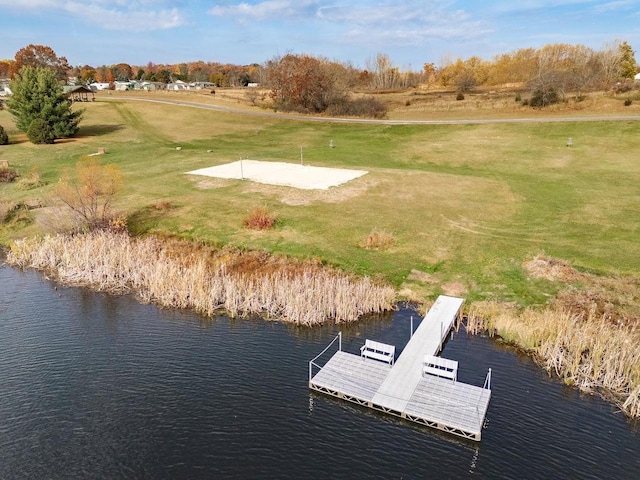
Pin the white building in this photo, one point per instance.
(99, 86)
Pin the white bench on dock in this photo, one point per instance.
(440, 367)
(378, 351)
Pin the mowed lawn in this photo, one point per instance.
(466, 204)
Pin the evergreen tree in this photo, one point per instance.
(37, 95)
(628, 66)
(4, 138)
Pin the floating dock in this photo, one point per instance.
(402, 388)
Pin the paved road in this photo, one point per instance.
(285, 116)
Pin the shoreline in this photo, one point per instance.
(178, 274)
(591, 349)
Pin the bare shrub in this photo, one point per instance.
(254, 96)
(118, 224)
(16, 214)
(5, 208)
(623, 87)
(379, 241)
(259, 219)
(31, 181)
(543, 97)
(367, 107)
(186, 278)
(8, 175)
(89, 192)
(163, 206)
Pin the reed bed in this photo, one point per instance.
(586, 350)
(172, 277)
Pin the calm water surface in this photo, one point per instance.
(95, 386)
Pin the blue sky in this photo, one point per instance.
(410, 32)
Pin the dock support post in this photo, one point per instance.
(340, 341)
(411, 336)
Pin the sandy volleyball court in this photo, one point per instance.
(280, 173)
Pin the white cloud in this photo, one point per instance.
(126, 18)
(415, 13)
(414, 37)
(269, 9)
(407, 22)
(616, 6)
(30, 4)
(110, 14)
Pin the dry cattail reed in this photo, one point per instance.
(587, 351)
(114, 262)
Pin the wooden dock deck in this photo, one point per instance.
(402, 389)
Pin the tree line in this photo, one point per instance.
(571, 67)
(312, 84)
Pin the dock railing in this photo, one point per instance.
(312, 361)
(487, 381)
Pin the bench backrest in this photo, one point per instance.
(440, 366)
(380, 347)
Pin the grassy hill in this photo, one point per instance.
(464, 205)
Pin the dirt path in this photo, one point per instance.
(309, 118)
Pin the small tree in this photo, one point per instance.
(4, 138)
(305, 83)
(628, 64)
(38, 95)
(89, 192)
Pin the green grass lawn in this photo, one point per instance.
(465, 203)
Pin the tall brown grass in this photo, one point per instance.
(585, 350)
(173, 277)
(379, 240)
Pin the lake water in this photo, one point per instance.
(97, 386)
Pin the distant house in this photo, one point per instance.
(201, 85)
(637, 77)
(178, 86)
(5, 91)
(152, 86)
(122, 86)
(99, 86)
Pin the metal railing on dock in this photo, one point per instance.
(312, 361)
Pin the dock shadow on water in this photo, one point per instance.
(98, 386)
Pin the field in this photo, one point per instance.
(466, 205)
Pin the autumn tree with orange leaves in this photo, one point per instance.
(40, 56)
(301, 82)
(5, 68)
